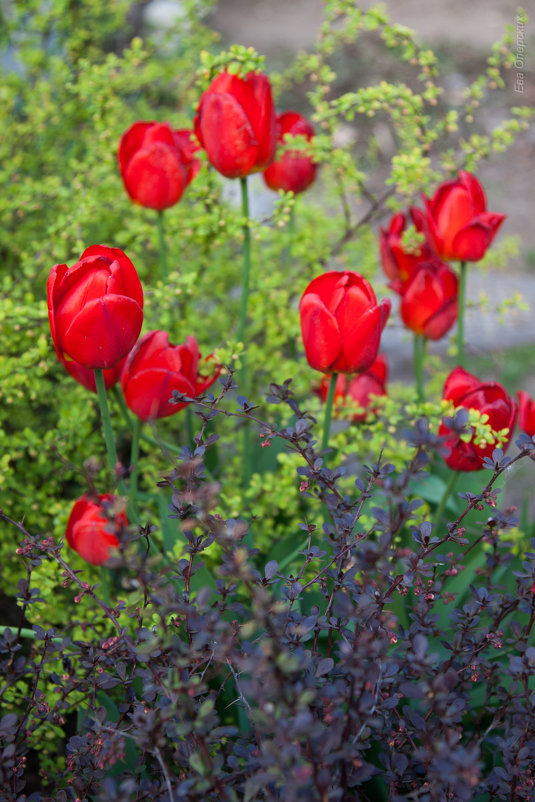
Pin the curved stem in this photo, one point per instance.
(460, 319)
(162, 247)
(418, 364)
(107, 428)
(445, 496)
(328, 411)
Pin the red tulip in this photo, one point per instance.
(235, 124)
(155, 368)
(93, 533)
(398, 263)
(489, 398)
(526, 413)
(293, 171)
(429, 304)
(341, 322)
(360, 388)
(86, 377)
(458, 224)
(95, 308)
(157, 163)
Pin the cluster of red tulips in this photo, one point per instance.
(456, 227)
(236, 125)
(96, 306)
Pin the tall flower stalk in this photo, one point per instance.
(460, 319)
(418, 362)
(107, 428)
(162, 248)
(246, 268)
(246, 275)
(328, 411)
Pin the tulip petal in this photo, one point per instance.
(460, 456)
(103, 331)
(379, 369)
(441, 321)
(526, 413)
(475, 191)
(131, 141)
(123, 270)
(361, 342)
(155, 177)
(54, 280)
(458, 384)
(148, 393)
(321, 335)
(263, 119)
(86, 377)
(91, 540)
(471, 242)
(227, 135)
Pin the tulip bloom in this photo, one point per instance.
(95, 308)
(429, 300)
(398, 263)
(526, 413)
(86, 377)
(235, 124)
(341, 322)
(359, 389)
(293, 171)
(489, 398)
(457, 222)
(157, 163)
(90, 532)
(155, 368)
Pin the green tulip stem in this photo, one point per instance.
(119, 397)
(328, 411)
(460, 319)
(106, 426)
(189, 426)
(290, 237)
(162, 247)
(134, 461)
(293, 554)
(246, 273)
(418, 362)
(445, 496)
(25, 633)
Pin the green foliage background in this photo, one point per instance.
(79, 75)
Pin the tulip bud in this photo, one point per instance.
(398, 262)
(155, 368)
(457, 222)
(526, 413)
(293, 171)
(235, 124)
(359, 389)
(341, 322)
(429, 299)
(489, 398)
(157, 163)
(92, 528)
(95, 308)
